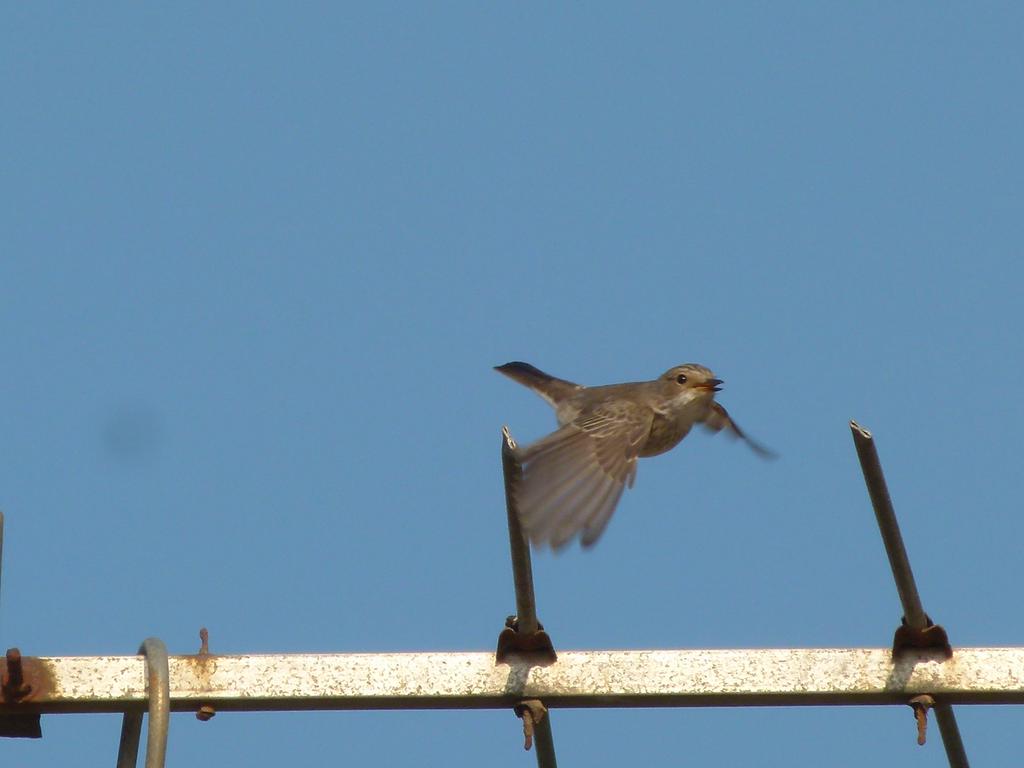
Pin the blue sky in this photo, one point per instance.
(256, 264)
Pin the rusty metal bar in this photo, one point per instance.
(606, 679)
(913, 611)
(522, 567)
(158, 694)
(921, 630)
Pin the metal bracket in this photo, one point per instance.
(536, 643)
(14, 689)
(930, 637)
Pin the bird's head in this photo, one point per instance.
(691, 379)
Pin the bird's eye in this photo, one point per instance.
(681, 378)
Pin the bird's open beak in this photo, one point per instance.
(715, 385)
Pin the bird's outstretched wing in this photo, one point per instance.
(718, 418)
(573, 478)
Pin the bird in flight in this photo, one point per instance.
(573, 478)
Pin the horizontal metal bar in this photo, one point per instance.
(682, 678)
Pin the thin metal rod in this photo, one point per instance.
(522, 576)
(913, 611)
(955, 752)
(604, 679)
(158, 693)
(544, 743)
(522, 568)
(128, 748)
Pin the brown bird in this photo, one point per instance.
(573, 478)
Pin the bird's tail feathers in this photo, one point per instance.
(544, 384)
